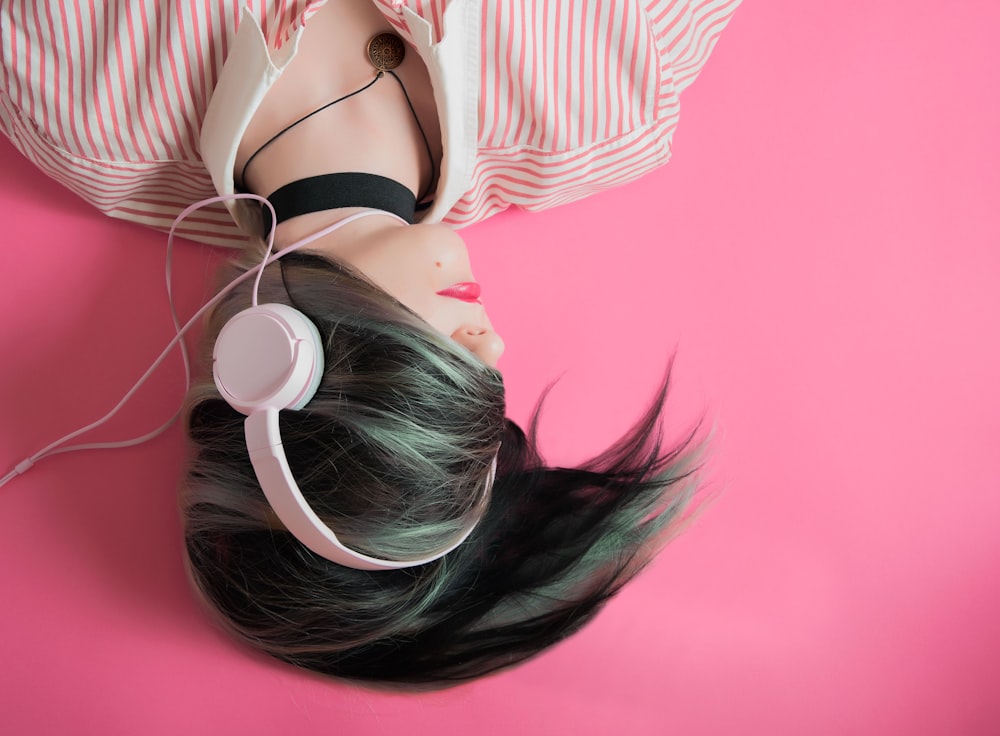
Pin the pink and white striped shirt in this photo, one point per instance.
(108, 97)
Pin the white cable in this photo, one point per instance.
(56, 447)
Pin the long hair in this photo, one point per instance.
(393, 453)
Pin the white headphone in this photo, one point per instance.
(267, 358)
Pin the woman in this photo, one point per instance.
(403, 453)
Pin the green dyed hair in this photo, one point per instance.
(393, 454)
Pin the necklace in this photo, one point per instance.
(386, 51)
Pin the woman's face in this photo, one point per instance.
(415, 264)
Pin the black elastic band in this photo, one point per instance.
(341, 189)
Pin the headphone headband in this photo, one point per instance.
(271, 466)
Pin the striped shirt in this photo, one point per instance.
(108, 96)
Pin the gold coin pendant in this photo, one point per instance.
(386, 51)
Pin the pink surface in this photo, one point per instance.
(823, 252)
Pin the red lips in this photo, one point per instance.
(467, 291)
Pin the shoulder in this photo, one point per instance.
(106, 106)
(576, 99)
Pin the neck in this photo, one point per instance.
(343, 243)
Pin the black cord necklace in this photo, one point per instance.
(386, 52)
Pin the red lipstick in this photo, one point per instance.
(467, 291)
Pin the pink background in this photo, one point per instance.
(824, 255)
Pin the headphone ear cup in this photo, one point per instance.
(268, 357)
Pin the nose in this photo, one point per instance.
(483, 342)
